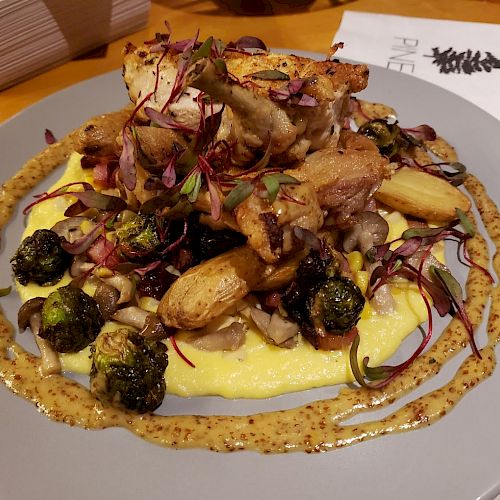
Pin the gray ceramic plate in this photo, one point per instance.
(457, 458)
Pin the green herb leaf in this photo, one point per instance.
(286, 179)
(455, 178)
(466, 222)
(191, 187)
(5, 291)
(421, 232)
(353, 359)
(376, 372)
(459, 167)
(204, 50)
(269, 74)
(219, 45)
(272, 185)
(273, 182)
(449, 282)
(220, 66)
(196, 189)
(240, 193)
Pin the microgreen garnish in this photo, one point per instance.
(465, 222)
(269, 74)
(273, 183)
(83, 243)
(394, 141)
(191, 186)
(166, 121)
(49, 137)
(247, 43)
(292, 93)
(94, 199)
(179, 352)
(88, 198)
(455, 177)
(205, 50)
(243, 189)
(452, 286)
(179, 240)
(169, 176)
(421, 133)
(412, 260)
(238, 195)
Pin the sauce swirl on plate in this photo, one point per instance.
(315, 427)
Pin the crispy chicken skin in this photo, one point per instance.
(353, 76)
(257, 122)
(157, 144)
(346, 177)
(97, 136)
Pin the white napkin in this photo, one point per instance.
(461, 57)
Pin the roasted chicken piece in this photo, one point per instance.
(256, 123)
(97, 136)
(139, 195)
(139, 73)
(346, 177)
(253, 123)
(157, 144)
(269, 227)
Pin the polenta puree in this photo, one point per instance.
(257, 369)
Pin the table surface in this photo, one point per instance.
(309, 25)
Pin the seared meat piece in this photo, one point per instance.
(253, 122)
(139, 194)
(269, 228)
(344, 178)
(97, 136)
(257, 123)
(156, 144)
(139, 73)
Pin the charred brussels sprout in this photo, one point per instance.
(312, 272)
(40, 258)
(71, 319)
(387, 136)
(322, 302)
(128, 370)
(139, 236)
(337, 304)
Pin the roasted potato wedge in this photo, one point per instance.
(209, 289)
(422, 195)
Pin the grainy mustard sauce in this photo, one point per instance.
(312, 428)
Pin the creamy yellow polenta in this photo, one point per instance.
(257, 369)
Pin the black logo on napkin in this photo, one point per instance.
(467, 62)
